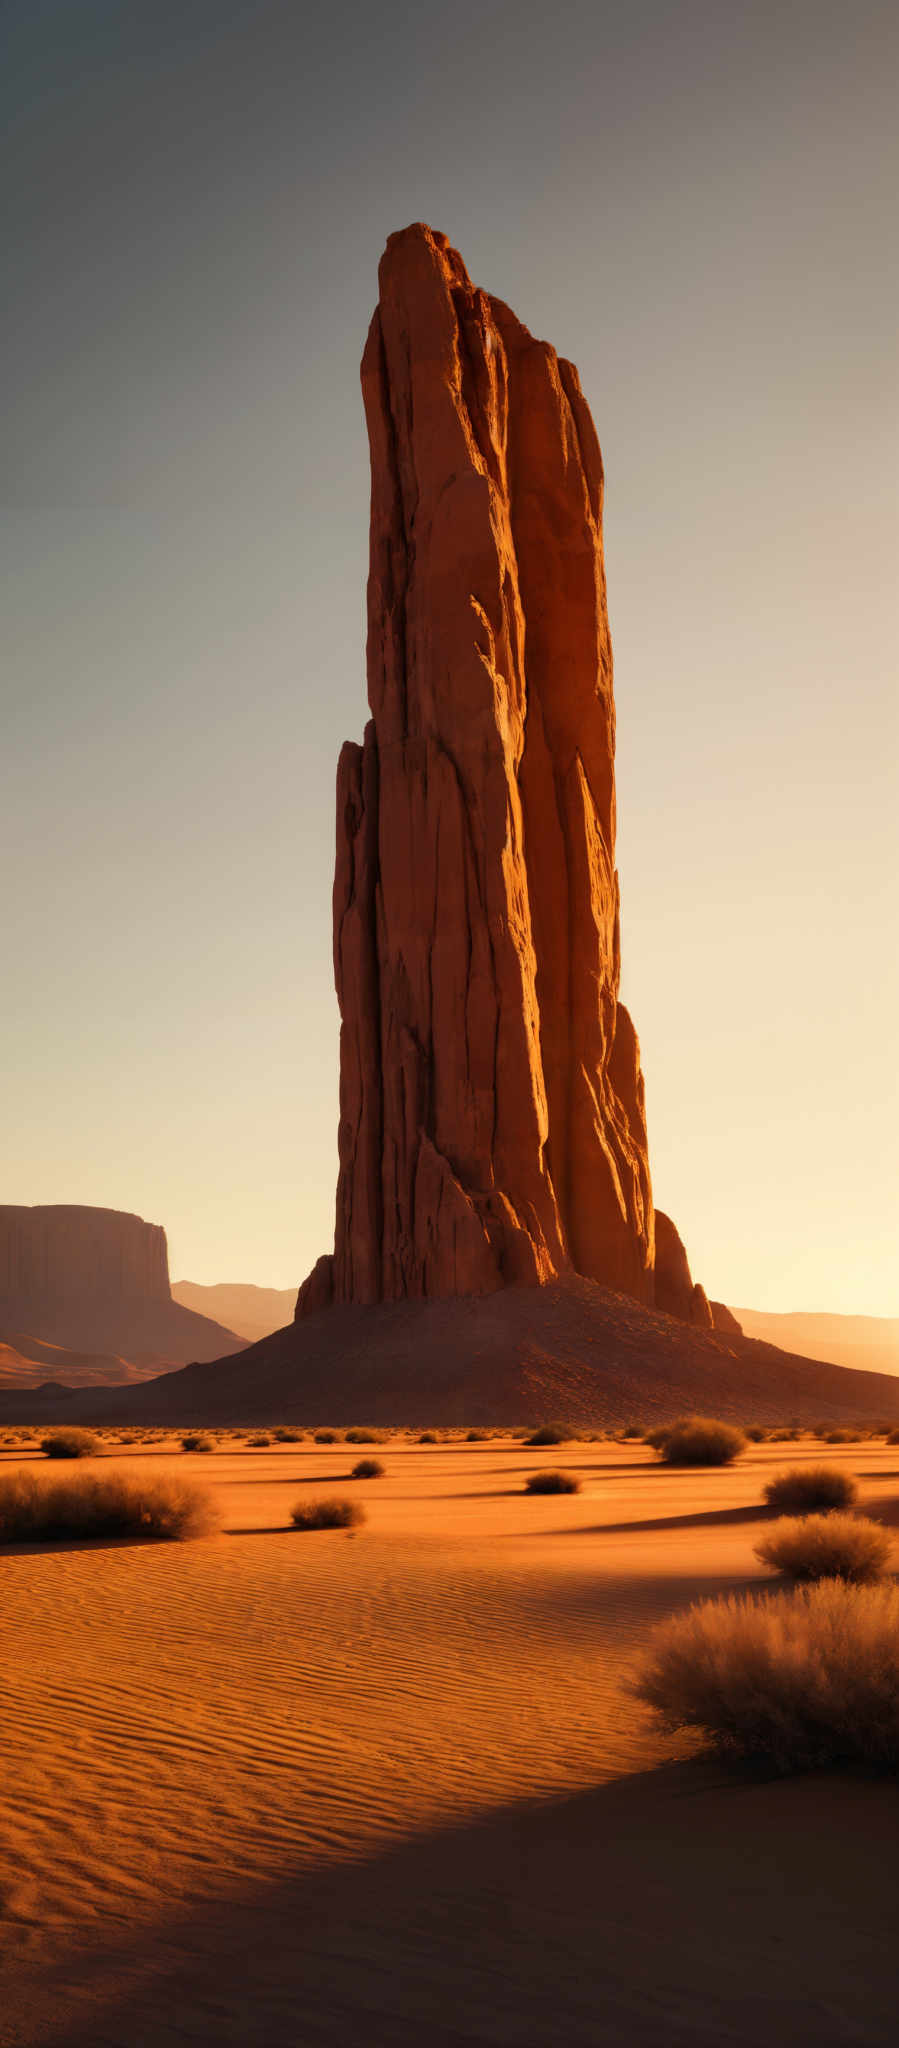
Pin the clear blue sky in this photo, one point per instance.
(694, 202)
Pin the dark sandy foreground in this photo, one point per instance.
(390, 1788)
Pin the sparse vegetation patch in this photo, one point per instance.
(804, 1678)
(811, 1490)
(327, 1514)
(827, 1547)
(368, 1468)
(70, 1443)
(552, 1482)
(698, 1440)
(94, 1504)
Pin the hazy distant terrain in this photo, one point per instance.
(251, 1312)
(576, 1352)
(870, 1342)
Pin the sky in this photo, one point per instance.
(695, 202)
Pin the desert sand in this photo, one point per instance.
(389, 1786)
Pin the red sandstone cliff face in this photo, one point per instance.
(492, 1125)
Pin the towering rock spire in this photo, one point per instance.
(492, 1126)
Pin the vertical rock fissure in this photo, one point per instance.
(492, 1105)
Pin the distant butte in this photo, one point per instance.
(492, 1122)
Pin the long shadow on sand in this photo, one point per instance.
(707, 1518)
(683, 1907)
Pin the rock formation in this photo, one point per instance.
(492, 1126)
(67, 1251)
(95, 1282)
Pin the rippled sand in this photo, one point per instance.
(390, 1786)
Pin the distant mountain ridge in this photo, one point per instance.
(866, 1343)
(253, 1312)
(85, 1300)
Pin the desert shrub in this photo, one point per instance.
(655, 1438)
(843, 1436)
(258, 1443)
(699, 1440)
(785, 1436)
(476, 1436)
(327, 1514)
(326, 1436)
(363, 1436)
(97, 1504)
(827, 1547)
(368, 1468)
(630, 1432)
(198, 1442)
(552, 1482)
(893, 1437)
(803, 1678)
(288, 1436)
(70, 1443)
(756, 1435)
(428, 1437)
(550, 1433)
(811, 1490)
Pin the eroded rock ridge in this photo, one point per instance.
(492, 1123)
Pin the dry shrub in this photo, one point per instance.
(368, 1468)
(811, 1490)
(363, 1436)
(327, 1514)
(116, 1504)
(326, 1436)
(476, 1436)
(428, 1437)
(803, 1678)
(827, 1547)
(289, 1436)
(699, 1440)
(756, 1435)
(893, 1437)
(197, 1443)
(70, 1443)
(549, 1434)
(258, 1443)
(552, 1482)
(843, 1436)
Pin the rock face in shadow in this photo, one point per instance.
(68, 1251)
(492, 1125)
(93, 1285)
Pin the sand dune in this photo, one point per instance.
(390, 1787)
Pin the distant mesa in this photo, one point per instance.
(85, 1298)
(492, 1125)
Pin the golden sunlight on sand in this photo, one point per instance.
(389, 1785)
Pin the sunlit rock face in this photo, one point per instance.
(492, 1125)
